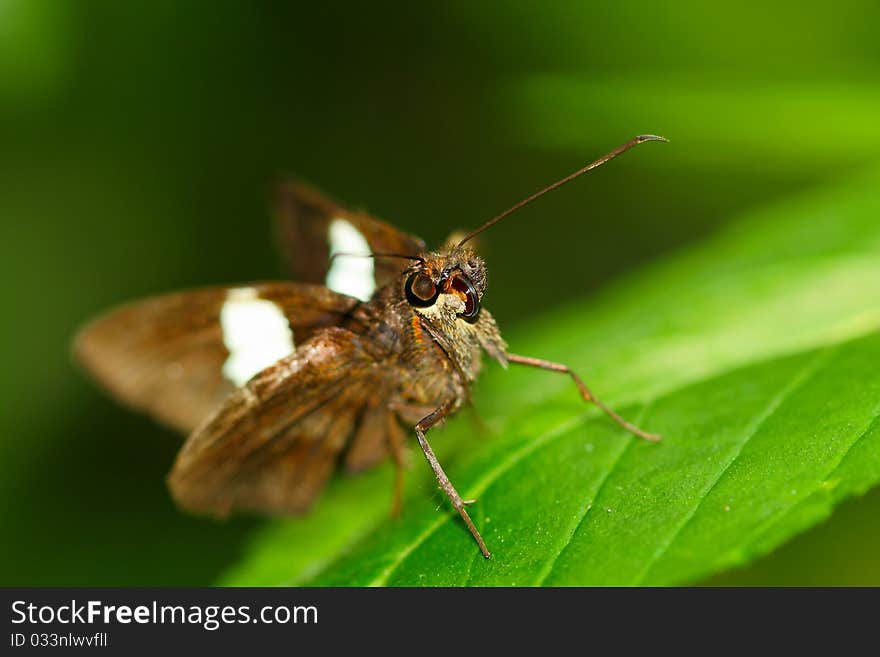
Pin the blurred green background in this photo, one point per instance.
(138, 142)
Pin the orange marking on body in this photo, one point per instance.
(417, 330)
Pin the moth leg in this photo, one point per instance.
(587, 395)
(398, 453)
(459, 504)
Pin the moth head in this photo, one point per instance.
(448, 284)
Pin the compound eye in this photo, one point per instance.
(471, 298)
(420, 290)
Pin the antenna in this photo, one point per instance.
(635, 141)
(343, 254)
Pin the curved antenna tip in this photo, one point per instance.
(644, 138)
(635, 141)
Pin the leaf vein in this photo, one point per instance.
(548, 567)
(801, 378)
(780, 515)
(476, 490)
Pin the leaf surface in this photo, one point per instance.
(755, 355)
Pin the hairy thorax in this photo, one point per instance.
(431, 354)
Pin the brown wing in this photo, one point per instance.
(305, 221)
(273, 444)
(166, 355)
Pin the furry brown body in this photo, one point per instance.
(429, 354)
(351, 389)
(280, 383)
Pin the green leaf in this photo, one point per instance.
(713, 121)
(754, 354)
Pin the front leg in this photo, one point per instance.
(584, 390)
(459, 504)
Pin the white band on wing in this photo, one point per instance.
(350, 275)
(256, 334)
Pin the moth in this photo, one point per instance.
(278, 384)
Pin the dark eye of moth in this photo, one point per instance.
(420, 290)
(472, 300)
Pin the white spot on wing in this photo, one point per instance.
(255, 332)
(350, 275)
